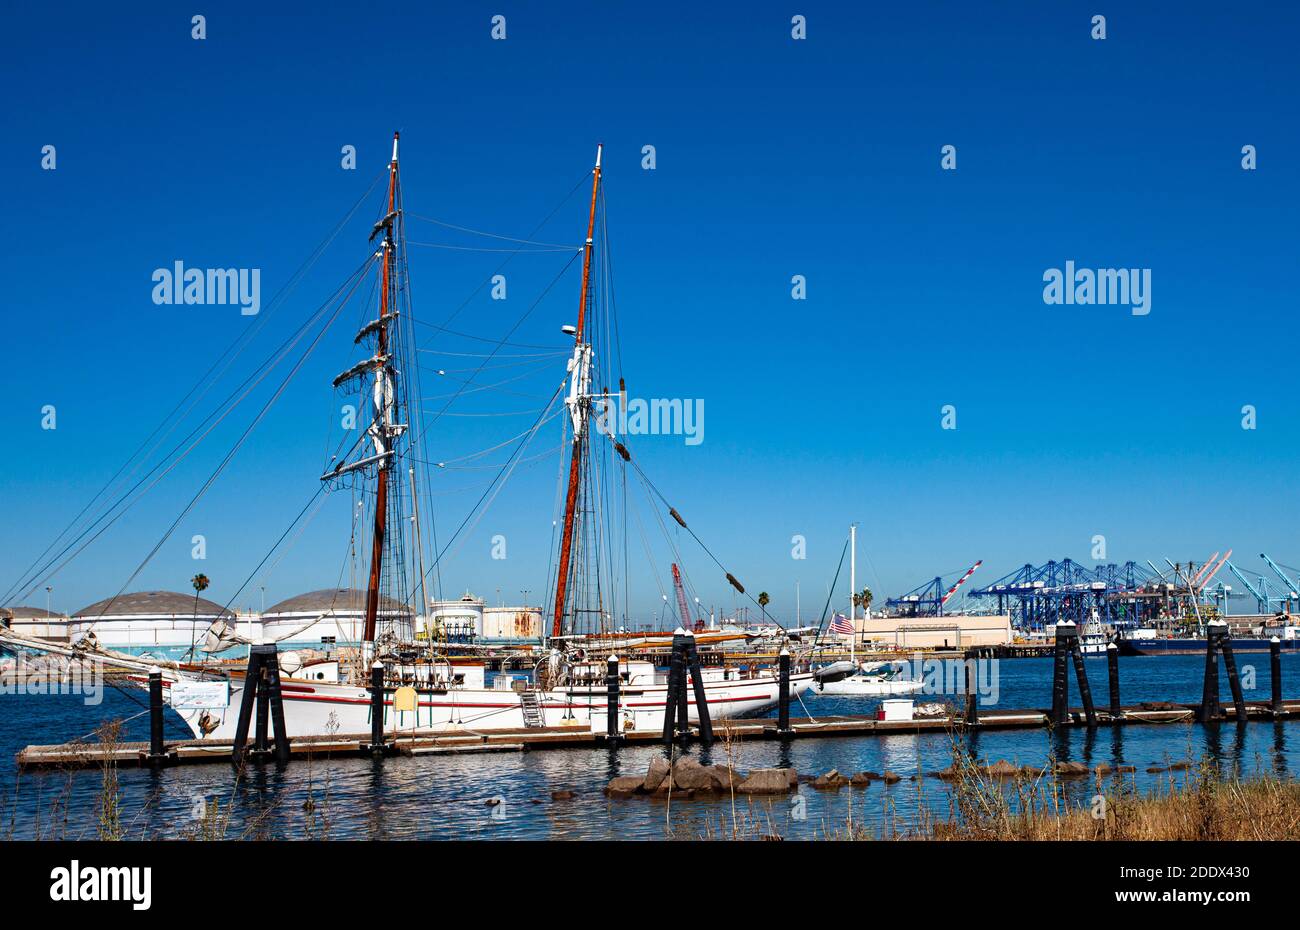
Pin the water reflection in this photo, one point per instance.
(444, 797)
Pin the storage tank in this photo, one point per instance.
(458, 620)
(339, 616)
(512, 624)
(166, 624)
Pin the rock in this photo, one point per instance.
(1103, 769)
(563, 795)
(1127, 768)
(1071, 769)
(767, 781)
(860, 780)
(948, 774)
(1152, 769)
(724, 777)
(1002, 769)
(792, 776)
(655, 775)
(832, 779)
(1179, 766)
(889, 777)
(624, 786)
(689, 775)
(491, 802)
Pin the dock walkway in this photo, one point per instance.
(449, 742)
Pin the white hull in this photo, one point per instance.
(325, 709)
(868, 686)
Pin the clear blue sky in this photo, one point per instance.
(775, 157)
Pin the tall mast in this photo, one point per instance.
(383, 397)
(580, 372)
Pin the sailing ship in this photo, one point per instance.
(427, 690)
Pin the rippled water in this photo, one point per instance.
(443, 797)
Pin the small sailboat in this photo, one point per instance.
(866, 679)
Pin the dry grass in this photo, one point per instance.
(1192, 803)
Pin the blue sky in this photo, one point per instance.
(774, 158)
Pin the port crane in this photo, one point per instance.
(683, 606)
(1259, 592)
(928, 599)
(1291, 594)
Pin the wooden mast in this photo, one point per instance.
(579, 434)
(381, 487)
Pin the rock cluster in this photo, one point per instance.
(687, 777)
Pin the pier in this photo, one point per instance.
(455, 742)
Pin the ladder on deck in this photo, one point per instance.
(532, 709)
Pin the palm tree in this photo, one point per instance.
(763, 601)
(200, 583)
(863, 599)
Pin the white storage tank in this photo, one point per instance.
(512, 624)
(36, 621)
(332, 617)
(460, 619)
(166, 624)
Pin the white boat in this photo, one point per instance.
(456, 697)
(871, 679)
(1092, 639)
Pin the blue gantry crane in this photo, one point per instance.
(1037, 596)
(1291, 589)
(1258, 589)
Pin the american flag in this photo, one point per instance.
(842, 625)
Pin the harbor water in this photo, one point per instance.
(509, 795)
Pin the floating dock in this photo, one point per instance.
(421, 743)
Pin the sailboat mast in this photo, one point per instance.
(381, 402)
(579, 368)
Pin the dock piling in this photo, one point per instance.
(275, 699)
(1085, 689)
(1230, 665)
(697, 682)
(972, 699)
(675, 699)
(1060, 669)
(783, 692)
(260, 747)
(1275, 668)
(377, 747)
(1209, 708)
(611, 699)
(157, 752)
(261, 688)
(1112, 673)
(1067, 647)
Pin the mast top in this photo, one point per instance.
(396, 134)
(599, 147)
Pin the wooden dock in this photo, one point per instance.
(461, 741)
